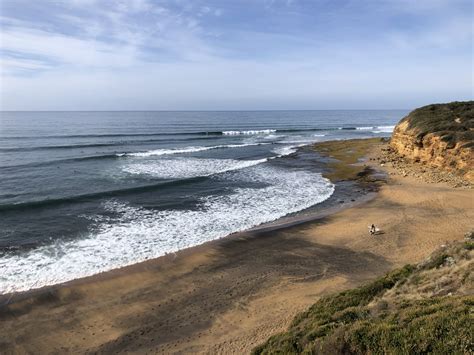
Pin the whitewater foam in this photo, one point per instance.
(182, 168)
(273, 136)
(137, 234)
(158, 152)
(384, 129)
(377, 129)
(287, 150)
(249, 132)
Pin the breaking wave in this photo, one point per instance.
(184, 168)
(135, 234)
(249, 132)
(158, 152)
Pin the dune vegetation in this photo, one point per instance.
(424, 308)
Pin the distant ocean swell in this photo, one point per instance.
(188, 150)
(143, 154)
(99, 195)
(148, 153)
(266, 132)
(203, 133)
(178, 172)
(136, 234)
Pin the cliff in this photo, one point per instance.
(440, 135)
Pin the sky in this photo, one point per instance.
(234, 54)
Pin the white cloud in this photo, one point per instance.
(134, 6)
(205, 9)
(241, 84)
(82, 3)
(108, 38)
(450, 34)
(66, 50)
(20, 64)
(149, 55)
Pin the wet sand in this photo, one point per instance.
(229, 295)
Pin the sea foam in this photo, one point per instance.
(287, 150)
(136, 234)
(182, 168)
(158, 152)
(249, 132)
(377, 129)
(383, 129)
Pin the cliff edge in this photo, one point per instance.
(439, 135)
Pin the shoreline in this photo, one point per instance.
(230, 294)
(279, 225)
(320, 210)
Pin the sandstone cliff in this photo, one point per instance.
(440, 135)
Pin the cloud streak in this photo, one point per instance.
(144, 54)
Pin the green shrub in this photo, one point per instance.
(329, 313)
(453, 122)
(469, 245)
(344, 324)
(436, 261)
(444, 327)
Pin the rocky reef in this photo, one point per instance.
(439, 136)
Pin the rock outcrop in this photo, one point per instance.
(440, 136)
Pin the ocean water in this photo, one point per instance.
(86, 192)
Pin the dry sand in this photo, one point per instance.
(227, 296)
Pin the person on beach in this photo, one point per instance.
(372, 229)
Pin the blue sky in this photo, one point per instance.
(234, 55)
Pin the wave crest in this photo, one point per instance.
(184, 168)
(249, 132)
(158, 152)
(137, 234)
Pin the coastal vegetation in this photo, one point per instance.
(439, 135)
(424, 308)
(453, 122)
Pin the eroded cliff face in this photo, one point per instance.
(431, 149)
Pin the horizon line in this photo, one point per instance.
(260, 110)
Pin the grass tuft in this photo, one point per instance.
(371, 320)
(453, 122)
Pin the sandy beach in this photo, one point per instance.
(229, 295)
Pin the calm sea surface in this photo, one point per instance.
(86, 192)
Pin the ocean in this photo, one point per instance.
(86, 192)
